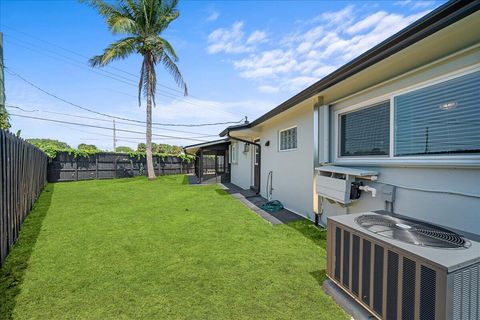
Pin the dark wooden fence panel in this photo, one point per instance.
(66, 167)
(23, 174)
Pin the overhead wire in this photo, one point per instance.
(109, 121)
(11, 72)
(104, 72)
(84, 56)
(105, 128)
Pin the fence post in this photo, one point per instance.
(76, 169)
(96, 166)
(115, 168)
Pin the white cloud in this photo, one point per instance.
(213, 16)
(314, 49)
(257, 36)
(367, 23)
(268, 63)
(232, 40)
(268, 89)
(416, 4)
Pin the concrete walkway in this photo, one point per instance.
(253, 201)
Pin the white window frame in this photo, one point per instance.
(467, 159)
(280, 139)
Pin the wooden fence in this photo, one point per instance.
(66, 167)
(23, 174)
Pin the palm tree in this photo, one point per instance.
(142, 21)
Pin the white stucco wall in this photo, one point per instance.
(292, 170)
(241, 170)
(444, 208)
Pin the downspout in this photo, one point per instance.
(259, 160)
(321, 147)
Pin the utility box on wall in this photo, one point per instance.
(335, 183)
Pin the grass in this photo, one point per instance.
(138, 249)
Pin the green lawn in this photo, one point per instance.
(138, 249)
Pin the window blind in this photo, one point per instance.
(440, 119)
(366, 132)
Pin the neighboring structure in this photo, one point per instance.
(211, 161)
(407, 110)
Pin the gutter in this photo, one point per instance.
(259, 160)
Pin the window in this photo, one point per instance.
(440, 119)
(366, 132)
(288, 139)
(233, 152)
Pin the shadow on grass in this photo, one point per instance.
(320, 276)
(13, 271)
(310, 231)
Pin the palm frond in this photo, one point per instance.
(172, 68)
(141, 82)
(117, 50)
(104, 9)
(167, 13)
(161, 45)
(122, 24)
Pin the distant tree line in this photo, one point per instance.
(51, 147)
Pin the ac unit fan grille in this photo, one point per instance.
(410, 231)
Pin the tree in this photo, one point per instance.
(124, 149)
(88, 147)
(4, 121)
(50, 143)
(143, 21)
(141, 147)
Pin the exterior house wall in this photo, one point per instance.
(416, 180)
(292, 170)
(241, 170)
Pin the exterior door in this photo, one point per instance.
(256, 166)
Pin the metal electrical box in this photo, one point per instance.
(335, 183)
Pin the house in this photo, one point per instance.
(407, 109)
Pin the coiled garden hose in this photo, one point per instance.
(272, 206)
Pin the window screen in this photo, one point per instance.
(440, 119)
(366, 132)
(288, 139)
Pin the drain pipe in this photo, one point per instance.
(259, 154)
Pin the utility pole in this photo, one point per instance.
(114, 138)
(4, 123)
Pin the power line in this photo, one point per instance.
(103, 72)
(105, 120)
(100, 127)
(111, 116)
(84, 56)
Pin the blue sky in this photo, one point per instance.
(239, 58)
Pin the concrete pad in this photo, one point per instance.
(346, 302)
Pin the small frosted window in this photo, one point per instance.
(288, 139)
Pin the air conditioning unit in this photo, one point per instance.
(399, 268)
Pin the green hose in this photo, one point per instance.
(272, 206)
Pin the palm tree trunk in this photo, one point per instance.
(148, 151)
(150, 170)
